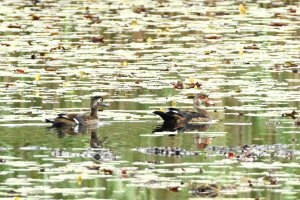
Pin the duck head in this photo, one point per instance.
(201, 98)
(97, 102)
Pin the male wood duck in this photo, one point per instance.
(75, 119)
(176, 116)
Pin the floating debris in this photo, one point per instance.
(166, 151)
(101, 155)
(205, 190)
(250, 153)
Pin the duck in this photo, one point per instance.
(76, 119)
(181, 117)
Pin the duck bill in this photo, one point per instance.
(207, 101)
(102, 104)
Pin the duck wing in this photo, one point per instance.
(67, 119)
(196, 117)
(172, 115)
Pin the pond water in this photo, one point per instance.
(56, 55)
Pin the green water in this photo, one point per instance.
(50, 64)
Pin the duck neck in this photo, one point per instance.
(202, 111)
(94, 113)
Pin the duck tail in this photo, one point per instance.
(49, 121)
(165, 116)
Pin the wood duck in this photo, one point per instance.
(176, 116)
(75, 119)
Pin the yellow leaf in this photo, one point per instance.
(159, 31)
(162, 109)
(174, 103)
(149, 40)
(134, 23)
(192, 80)
(196, 87)
(241, 52)
(17, 198)
(124, 63)
(243, 9)
(37, 77)
(82, 74)
(79, 180)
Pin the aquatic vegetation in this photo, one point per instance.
(143, 57)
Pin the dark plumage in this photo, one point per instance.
(176, 116)
(74, 119)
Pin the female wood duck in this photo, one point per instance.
(75, 119)
(176, 116)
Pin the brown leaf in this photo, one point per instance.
(35, 17)
(7, 85)
(279, 24)
(20, 71)
(50, 69)
(108, 171)
(174, 189)
(14, 26)
(212, 37)
(93, 167)
(253, 46)
(98, 39)
(5, 44)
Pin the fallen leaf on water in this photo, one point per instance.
(124, 63)
(20, 71)
(35, 17)
(162, 110)
(212, 37)
(37, 77)
(149, 41)
(134, 23)
(79, 180)
(253, 46)
(108, 171)
(279, 24)
(174, 189)
(97, 39)
(14, 26)
(242, 9)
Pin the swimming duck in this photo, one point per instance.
(75, 119)
(176, 116)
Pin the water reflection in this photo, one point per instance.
(96, 151)
(72, 130)
(202, 142)
(182, 127)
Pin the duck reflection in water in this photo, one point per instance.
(182, 127)
(96, 152)
(202, 142)
(73, 130)
(95, 142)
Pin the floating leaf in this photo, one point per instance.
(37, 77)
(242, 9)
(149, 41)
